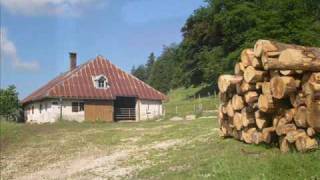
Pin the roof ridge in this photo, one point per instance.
(134, 77)
(58, 82)
(67, 84)
(72, 72)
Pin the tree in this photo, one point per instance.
(151, 60)
(215, 34)
(163, 70)
(140, 73)
(9, 102)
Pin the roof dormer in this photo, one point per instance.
(100, 82)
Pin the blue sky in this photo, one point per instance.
(37, 35)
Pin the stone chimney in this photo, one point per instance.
(73, 60)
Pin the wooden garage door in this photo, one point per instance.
(99, 111)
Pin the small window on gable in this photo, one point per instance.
(100, 82)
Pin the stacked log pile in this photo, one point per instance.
(273, 97)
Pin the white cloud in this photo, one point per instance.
(49, 7)
(9, 51)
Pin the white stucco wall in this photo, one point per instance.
(148, 109)
(52, 113)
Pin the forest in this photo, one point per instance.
(215, 34)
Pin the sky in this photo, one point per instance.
(37, 35)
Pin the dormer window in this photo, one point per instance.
(100, 82)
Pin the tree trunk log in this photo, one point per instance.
(261, 119)
(292, 136)
(313, 115)
(311, 132)
(237, 121)
(306, 59)
(230, 110)
(247, 117)
(252, 75)
(247, 56)
(282, 87)
(305, 143)
(284, 145)
(266, 103)
(267, 134)
(237, 102)
(272, 48)
(300, 117)
(251, 97)
(225, 81)
(284, 129)
(245, 87)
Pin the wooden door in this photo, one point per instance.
(98, 111)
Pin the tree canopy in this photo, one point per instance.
(9, 102)
(214, 35)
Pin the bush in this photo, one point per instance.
(10, 107)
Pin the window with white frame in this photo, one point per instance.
(100, 82)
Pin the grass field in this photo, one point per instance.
(144, 150)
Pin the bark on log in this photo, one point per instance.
(272, 48)
(225, 81)
(282, 87)
(307, 59)
(264, 46)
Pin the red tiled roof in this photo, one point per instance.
(78, 84)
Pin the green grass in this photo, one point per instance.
(184, 101)
(199, 154)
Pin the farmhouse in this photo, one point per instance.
(94, 91)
